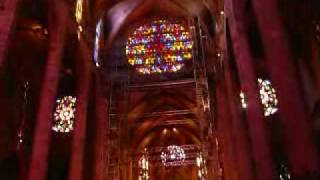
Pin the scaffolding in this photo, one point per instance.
(118, 98)
(154, 154)
(204, 101)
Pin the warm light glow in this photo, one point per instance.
(284, 173)
(64, 114)
(175, 130)
(79, 11)
(20, 137)
(268, 97)
(158, 47)
(165, 131)
(243, 100)
(202, 166)
(144, 168)
(97, 43)
(78, 15)
(173, 156)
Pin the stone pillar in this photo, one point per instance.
(248, 81)
(7, 17)
(101, 104)
(225, 133)
(131, 167)
(82, 93)
(302, 155)
(41, 141)
(237, 126)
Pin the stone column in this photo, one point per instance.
(131, 167)
(41, 141)
(237, 126)
(248, 81)
(101, 104)
(82, 93)
(7, 17)
(225, 132)
(302, 155)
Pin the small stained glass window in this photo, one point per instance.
(268, 97)
(64, 114)
(97, 43)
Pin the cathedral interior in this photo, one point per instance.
(160, 89)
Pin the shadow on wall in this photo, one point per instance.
(9, 167)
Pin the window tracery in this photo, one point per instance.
(64, 114)
(158, 47)
(268, 97)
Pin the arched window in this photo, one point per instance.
(158, 47)
(268, 97)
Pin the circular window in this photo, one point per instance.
(158, 47)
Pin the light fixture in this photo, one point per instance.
(165, 131)
(175, 130)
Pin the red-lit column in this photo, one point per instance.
(260, 150)
(41, 141)
(130, 168)
(82, 93)
(100, 161)
(241, 141)
(7, 16)
(226, 145)
(302, 155)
